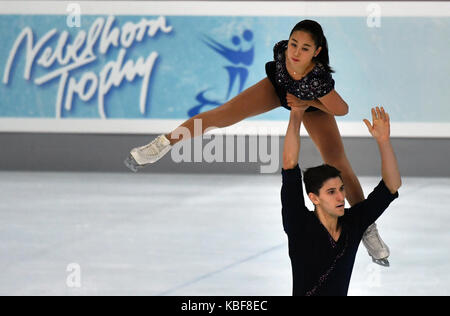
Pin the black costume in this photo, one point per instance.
(321, 266)
(317, 83)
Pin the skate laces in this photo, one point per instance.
(372, 234)
(154, 148)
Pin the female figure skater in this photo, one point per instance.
(299, 75)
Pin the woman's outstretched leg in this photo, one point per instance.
(324, 132)
(255, 100)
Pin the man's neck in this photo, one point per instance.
(329, 222)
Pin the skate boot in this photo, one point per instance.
(150, 153)
(377, 249)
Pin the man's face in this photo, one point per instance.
(331, 198)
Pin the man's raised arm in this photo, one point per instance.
(292, 139)
(292, 200)
(380, 130)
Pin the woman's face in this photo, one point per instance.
(301, 49)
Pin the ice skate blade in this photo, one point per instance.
(131, 164)
(382, 262)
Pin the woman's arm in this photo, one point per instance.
(331, 103)
(334, 103)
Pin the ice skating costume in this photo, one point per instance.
(317, 83)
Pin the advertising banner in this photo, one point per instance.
(145, 67)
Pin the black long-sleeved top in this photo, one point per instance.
(321, 266)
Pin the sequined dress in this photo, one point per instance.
(317, 83)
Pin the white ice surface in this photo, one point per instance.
(179, 234)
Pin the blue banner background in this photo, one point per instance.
(402, 65)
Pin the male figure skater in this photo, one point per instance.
(323, 243)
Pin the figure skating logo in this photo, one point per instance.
(239, 58)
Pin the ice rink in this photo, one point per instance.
(179, 234)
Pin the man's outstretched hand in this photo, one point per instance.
(380, 128)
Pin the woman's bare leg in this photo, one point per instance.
(255, 100)
(323, 130)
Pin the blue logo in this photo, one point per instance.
(239, 59)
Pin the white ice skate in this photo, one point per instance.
(377, 249)
(150, 153)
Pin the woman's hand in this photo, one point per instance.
(296, 103)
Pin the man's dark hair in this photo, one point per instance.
(315, 177)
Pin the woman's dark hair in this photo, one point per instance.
(315, 177)
(316, 32)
